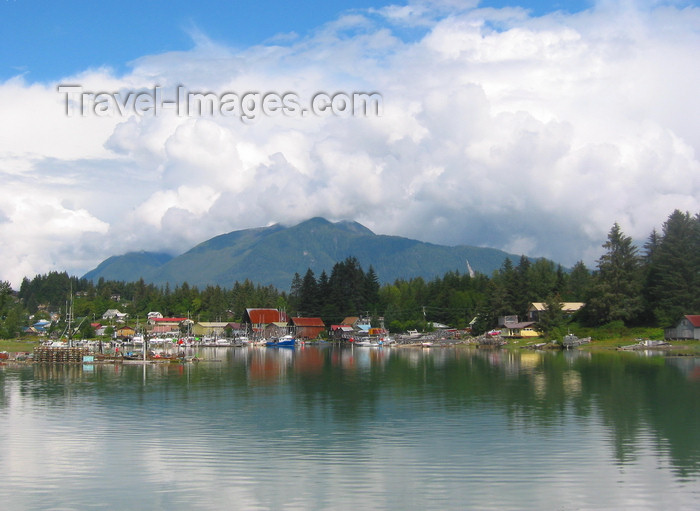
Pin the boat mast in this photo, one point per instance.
(69, 311)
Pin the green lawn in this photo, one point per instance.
(17, 345)
(614, 335)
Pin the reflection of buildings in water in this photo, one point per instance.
(440, 356)
(572, 383)
(530, 361)
(344, 358)
(65, 372)
(268, 364)
(507, 360)
(413, 356)
(365, 357)
(573, 355)
(688, 366)
(540, 385)
(308, 360)
(510, 361)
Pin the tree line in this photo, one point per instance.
(652, 285)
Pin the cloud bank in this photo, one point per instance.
(498, 128)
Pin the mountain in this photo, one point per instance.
(271, 255)
(124, 267)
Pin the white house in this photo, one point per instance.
(114, 314)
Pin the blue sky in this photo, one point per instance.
(49, 40)
(527, 126)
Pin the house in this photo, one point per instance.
(537, 308)
(235, 326)
(41, 326)
(210, 328)
(687, 328)
(308, 328)
(154, 314)
(342, 332)
(125, 332)
(519, 330)
(266, 322)
(357, 323)
(114, 314)
(512, 328)
(166, 326)
(350, 321)
(166, 321)
(98, 328)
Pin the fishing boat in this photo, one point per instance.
(571, 341)
(286, 341)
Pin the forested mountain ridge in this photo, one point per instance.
(650, 285)
(272, 255)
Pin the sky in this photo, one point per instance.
(527, 126)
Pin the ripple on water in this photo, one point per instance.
(208, 438)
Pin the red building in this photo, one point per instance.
(266, 322)
(308, 328)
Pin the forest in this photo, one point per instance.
(651, 285)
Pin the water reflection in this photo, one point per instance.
(452, 422)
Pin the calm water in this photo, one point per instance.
(362, 428)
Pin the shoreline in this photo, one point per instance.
(23, 351)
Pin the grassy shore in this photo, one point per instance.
(603, 338)
(17, 345)
(615, 335)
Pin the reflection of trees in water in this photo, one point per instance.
(632, 396)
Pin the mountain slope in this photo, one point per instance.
(128, 267)
(271, 255)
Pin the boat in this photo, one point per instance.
(132, 356)
(644, 344)
(286, 341)
(572, 341)
(367, 343)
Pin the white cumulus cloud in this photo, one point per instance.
(498, 128)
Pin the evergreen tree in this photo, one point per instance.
(578, 283)
(371, 288)
(323, 285)
(506, 292)
(544, 279)
(328, 312)
(523, 293)
(295, 292)
(673, 278)
(552, 319)
(616, 292)
(5, 294)
(86, 330)
(12, 323)
(651, 245)
(309, 299)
